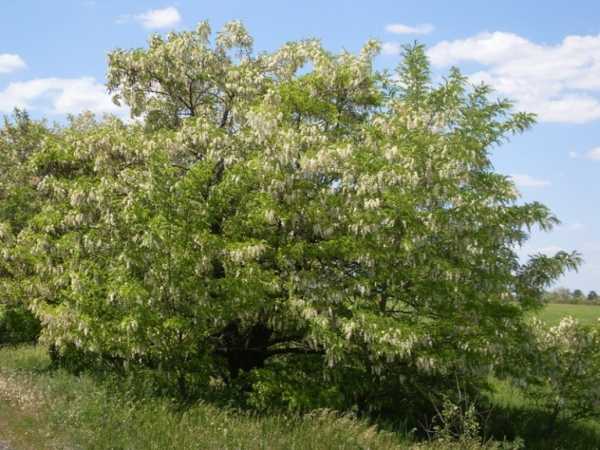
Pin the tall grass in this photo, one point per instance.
(44, 409)
(514, 416)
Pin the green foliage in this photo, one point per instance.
(458, 425)
(513, 415)
(17, 325)
(563, 369)
(293, 227)
(20, 139)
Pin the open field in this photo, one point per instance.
(553, 312)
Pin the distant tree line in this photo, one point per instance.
(576, 296)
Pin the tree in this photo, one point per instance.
(20, 138)
(592, 296)
(285, 217)
(578, 294)
(560, 295)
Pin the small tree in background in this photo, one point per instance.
(560, 295)
(578, 295)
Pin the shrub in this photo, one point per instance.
(17, 325)
(563, 370)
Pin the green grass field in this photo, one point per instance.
(553, 312)
(42, 408)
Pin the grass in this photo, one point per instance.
(515, 416)
(553, 312)
(42, 408)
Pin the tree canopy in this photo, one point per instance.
(281, 218)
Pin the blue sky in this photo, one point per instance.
(547, 58)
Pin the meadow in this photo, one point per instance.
(46, 408)
(586, 314)
(42, 409)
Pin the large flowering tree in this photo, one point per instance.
(282, 209)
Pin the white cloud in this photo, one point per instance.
(593, 154)
(159, 18)
(58, 96)
(561, 83)
(485, 48)
(391, 48)
(398, 28)
(10, 63)
(527, 181)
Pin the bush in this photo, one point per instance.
(17, 325)
(562, 370)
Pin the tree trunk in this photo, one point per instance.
(247, 350)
